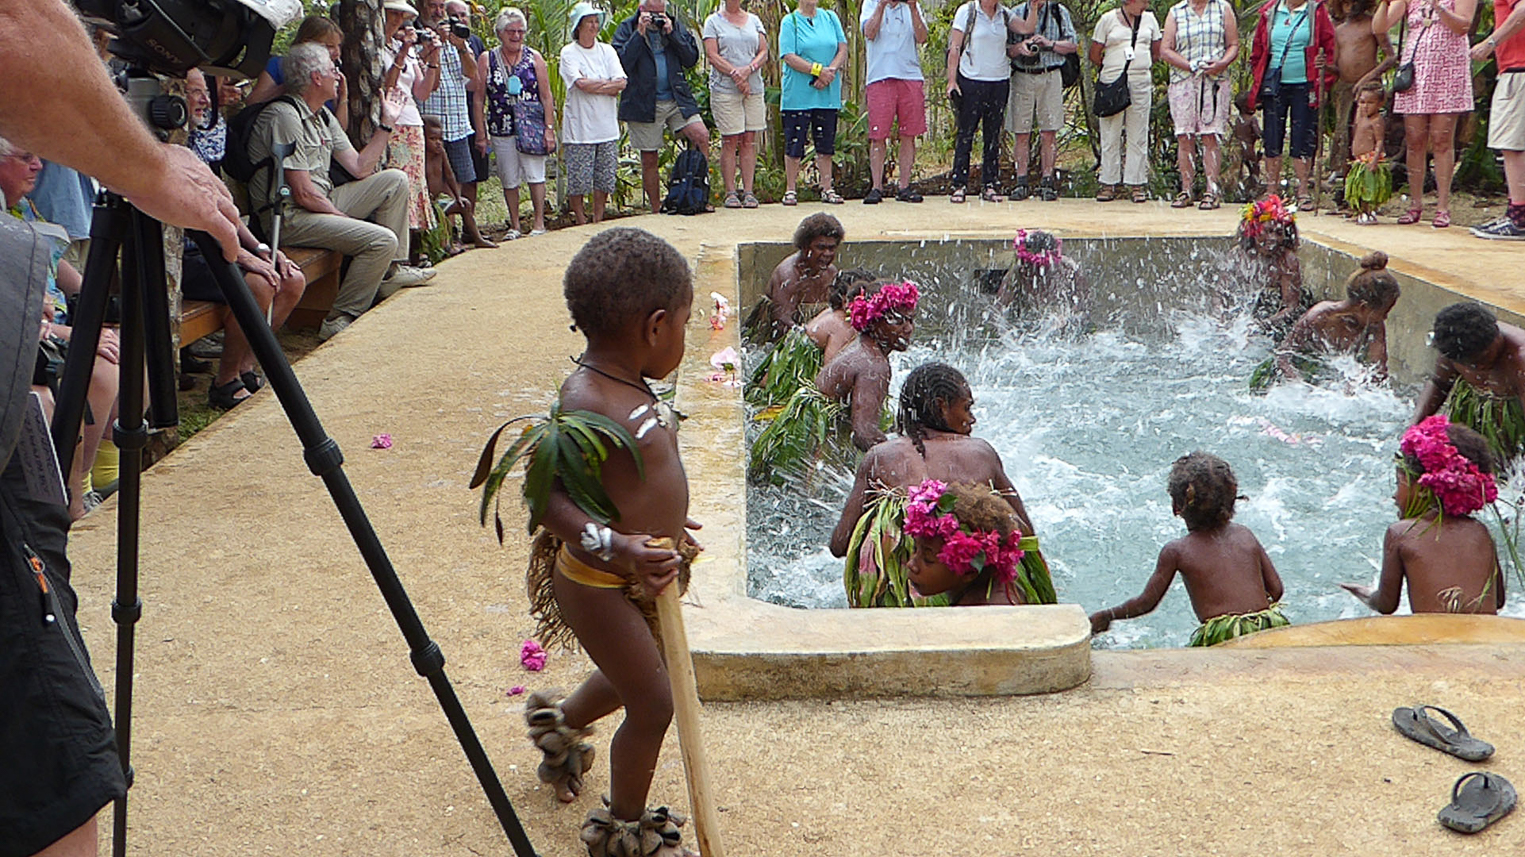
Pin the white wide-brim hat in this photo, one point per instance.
(582, 10)
(400, 6)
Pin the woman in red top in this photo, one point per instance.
(1293, 59)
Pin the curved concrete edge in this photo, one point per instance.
(1423, 629)
(745, 649)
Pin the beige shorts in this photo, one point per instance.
(647, 136)
(1506, 116)
(736, 113)
(1040, 93)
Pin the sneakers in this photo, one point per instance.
(908, 195)
(1502, 229)
(333, 326)
(1046, 189)
(873, 197)
(407, 276)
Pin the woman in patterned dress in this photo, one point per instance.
(516, 73)
(416, 73)
(1435, 41)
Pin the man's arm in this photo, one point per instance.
(871, 24)
(362, 163)
(307, 195)
(918, 23)
(682, 42)
(96, 133)
(1501, 32)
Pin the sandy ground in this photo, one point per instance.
(276, 711)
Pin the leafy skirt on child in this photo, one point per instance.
(1501, 421)
(1230, 625)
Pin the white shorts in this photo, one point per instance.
(1040, 93)
(735, 113)
(515, 167)
(1200, 106)
(1506, 116)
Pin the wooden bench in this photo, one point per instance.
(199, 319)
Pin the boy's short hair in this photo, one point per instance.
(816, 226)
(923, 388)
(1242, 103)
(1372, 284)
(1464, 330)
(620, 277)
(1370, 87)
(433, 123)
(1472, 446)
(848, 285)
(1038, 241)
(1203, 489)
(977, 506)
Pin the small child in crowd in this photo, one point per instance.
(860, 373)
(629, 293)
(1232, 584)
(1246, 143)
(442, 184)
(1447, 557)
(832, 330)
(1369, 183)
(1356, 325)
(968, 544)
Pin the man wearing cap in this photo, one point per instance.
(458, 66)
(655, 49)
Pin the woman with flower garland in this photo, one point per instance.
(967, 544)
(1445, 473)
(1232, 583)
(935, 422)
(1265, 258)
(1042, 277)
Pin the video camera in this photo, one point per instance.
(229, 38)
(458, 28)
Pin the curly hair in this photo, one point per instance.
(1039, 241)
(1471, 445)
(977, 506)
(1203, 489)
(1464, 330)
(925, 387)
(848, 285)
(620, 277)
(816, 226)
(1371, 284)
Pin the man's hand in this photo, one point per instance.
(109, 346)
(283, 266)
(667, 24)
(188, 195)
(392, 105)
(252, 264)
(481, 144)
(642, 22)
(1021, 49)
(1482, 50)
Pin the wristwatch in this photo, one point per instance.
(381, 127)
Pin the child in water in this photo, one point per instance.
(968, 544)
(1267, 258)
(832, 330)
(860, 373)
(1232, 584)
(1447, 557)
(1356, 325)
(1042, 278)
(629, 293)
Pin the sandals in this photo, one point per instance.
(831, 197)
(1417, 725)
(1413, 215)
(567, 756)
(1305, 203)
(1442, 219)
(252, 381)
(749, 200)
(732, 200)
(790, 198)
(656, 834)
(1107, 193)
(1210, 201)
(1183, 200)
(1477, 800)
(1140, 193)
(990, 194)
(225, 396)
(957, 196)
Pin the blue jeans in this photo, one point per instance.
(1293, 99)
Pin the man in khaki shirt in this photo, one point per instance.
(365, 219)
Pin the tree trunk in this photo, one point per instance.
(361, 21)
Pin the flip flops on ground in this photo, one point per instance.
(1477, 800)
(1416, 724)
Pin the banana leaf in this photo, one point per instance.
(1501, 421)
(1367, 188)
(1228, 626)
(795, 435)
(789, 365)
(874, 571)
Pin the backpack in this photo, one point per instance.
(237, 162)
(688, 186)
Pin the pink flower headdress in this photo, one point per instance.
(891, 297)
(1255, 215)
(929, 514)
(1042, 259)
(1457, 483)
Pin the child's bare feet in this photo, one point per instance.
(483, 243)
(567, 758)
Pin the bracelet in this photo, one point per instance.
(598, 541)
(434, 65)
(381, 127)
(815, 69)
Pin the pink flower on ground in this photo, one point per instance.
(381, 441)
(517, 690)
(532, 656)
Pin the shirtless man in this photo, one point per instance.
(861, 372)
(1356, 60)
(804, 277)
(1476, 347)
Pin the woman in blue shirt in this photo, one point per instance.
(813, 47)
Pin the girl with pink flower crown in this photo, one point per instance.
(1445, 473)
(860, 373)
(968, 545)
(1232, 583)
(1042, 278)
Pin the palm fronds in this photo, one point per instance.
(795, 432)
(1228, 626)
(1033, 577)
(874, 572)
(565, 447)
(1501, 421)
(789, 365)
(1368, 184)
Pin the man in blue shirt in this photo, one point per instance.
(655, 49)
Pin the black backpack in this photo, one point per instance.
(237, 162)
(688, 187)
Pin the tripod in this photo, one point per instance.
(146, 344)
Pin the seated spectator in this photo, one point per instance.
(445, 189)
(590, 126)
(314, 29)
(275, 282)
(334, 218)
(655, 49)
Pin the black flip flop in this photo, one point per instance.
(1477, 800)
(1416, 724)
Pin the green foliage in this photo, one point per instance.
(789, 365)
(797, 432)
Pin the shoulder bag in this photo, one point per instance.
(1270, 83)
(1403, 81)
(1113, 98)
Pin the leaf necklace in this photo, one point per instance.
(661, 413)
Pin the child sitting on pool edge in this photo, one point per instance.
(1445, 473)
(968, 544)
(1233, 586)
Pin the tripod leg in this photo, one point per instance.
(163, 400)
(326, 461)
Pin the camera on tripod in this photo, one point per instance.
(230, 38)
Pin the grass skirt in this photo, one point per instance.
(798, 431)
(1501, 422)
(789, 365)
(1266, 375)
(1368, 187)
(539, 578)
(1228, 626)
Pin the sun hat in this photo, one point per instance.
(400, 6)
(582, 10)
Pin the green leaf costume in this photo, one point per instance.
(1231, 625)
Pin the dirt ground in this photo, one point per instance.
(277, 713)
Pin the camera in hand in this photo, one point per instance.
(658, 20)
(424, 34)
(458, 28)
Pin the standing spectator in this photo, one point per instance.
(479, 166)
(1436, 36)
(1048, 36)
(1506, 115)
(737, 47)
(590, 125)
(894, 89)
(1294, 63)
(813, 47)
(1115, 47)
(979, 82)
(457, 69)
(1356, 60)
(1201, 40)
(515, 75)
(415, 74)
(314, 29)
(655, 49)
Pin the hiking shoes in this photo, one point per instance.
(332, 326)
(1020, 190)
(407, 276)
(908, 195)
(873, 197)
(1046, 189)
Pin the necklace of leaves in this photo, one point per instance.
(660, 412)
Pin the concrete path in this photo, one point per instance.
(277, 712)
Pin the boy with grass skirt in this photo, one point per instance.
(1479, 377)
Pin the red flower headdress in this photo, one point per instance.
(929, 514)
(1043, 259)
(892, 297)
(1457, 483)
(1256, 215)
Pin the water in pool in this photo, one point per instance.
(1088, 425)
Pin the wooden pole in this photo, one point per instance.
(685, 698)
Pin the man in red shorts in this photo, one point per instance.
(1506, 117)
(893, 88)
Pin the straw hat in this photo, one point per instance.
(582, 10)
